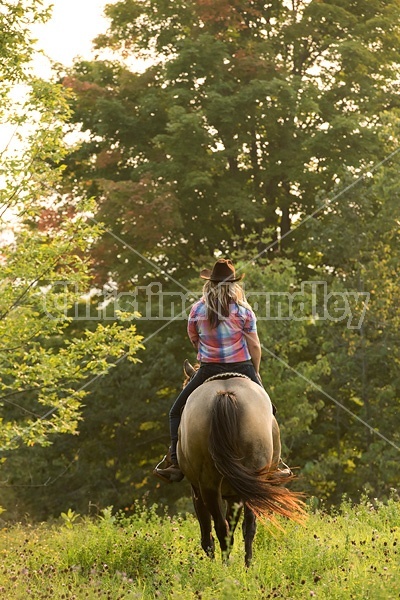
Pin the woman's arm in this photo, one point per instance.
(192, 330)
(254, 346)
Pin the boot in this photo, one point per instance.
(171, 473)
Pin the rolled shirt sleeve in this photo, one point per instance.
(250, 323)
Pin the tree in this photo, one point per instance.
(17, 43)
(358, 242)
(44, 266)
(249, 112)
(122, 435)
(251, 116)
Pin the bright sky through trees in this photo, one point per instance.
(68, 34)
(70, 31)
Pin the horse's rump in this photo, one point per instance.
(226, 444)
(247, 430)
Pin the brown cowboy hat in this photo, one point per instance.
(222, 271)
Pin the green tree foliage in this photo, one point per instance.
(46, 236)
(330, 352)
(358, 242)
(251, 118)
(17, 42)
(249, 111)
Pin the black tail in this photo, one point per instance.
(260, 490)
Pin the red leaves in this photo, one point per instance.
(108, 158)
(77, 85)
(51, 218)
(216, 11)
(140, 217)
(146, 210)
(231, 14)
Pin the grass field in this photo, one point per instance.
(352, 553)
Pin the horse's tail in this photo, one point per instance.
(261, 490)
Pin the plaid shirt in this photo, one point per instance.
(225, 343)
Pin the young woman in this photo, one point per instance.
(222, 328)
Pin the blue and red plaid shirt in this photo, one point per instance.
(225, 343)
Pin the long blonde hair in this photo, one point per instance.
(219, 297)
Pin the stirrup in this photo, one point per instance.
(284, 469)
(161, 462)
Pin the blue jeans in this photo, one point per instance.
(205, 371)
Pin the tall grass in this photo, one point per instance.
(353, 553)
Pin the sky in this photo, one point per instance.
(70, 31)
(68, 34)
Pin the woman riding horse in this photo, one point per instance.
(222, 328)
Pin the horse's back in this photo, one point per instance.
(254, 414)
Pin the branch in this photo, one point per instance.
(17, 188)
(15, 392)
(32, 283)
(31, 337)
(17, 301)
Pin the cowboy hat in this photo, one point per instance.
(222, 271)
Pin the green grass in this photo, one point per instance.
(353, 553)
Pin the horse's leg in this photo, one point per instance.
(249, 531)
(204, 518)
(213, 501)
(232, 516)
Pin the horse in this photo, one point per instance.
(229, 449)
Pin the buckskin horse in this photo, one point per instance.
(229, 448)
